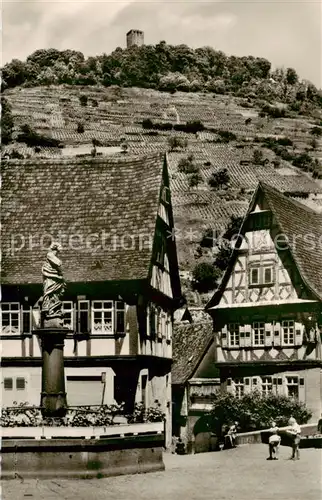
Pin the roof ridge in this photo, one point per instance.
(88, 159)
(267, 187)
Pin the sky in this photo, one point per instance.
(287, 33)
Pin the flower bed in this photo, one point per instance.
(23, 415)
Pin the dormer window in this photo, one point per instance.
(165, 195)
(268, 275)
(261, 275)
(254, 276)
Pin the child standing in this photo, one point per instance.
(295, 432)
(273, 442)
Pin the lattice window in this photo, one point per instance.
(258, 333)
(68, 319)
(8, 384)
(108, 317)
(288, 332)
(239, 387)
(254, 276)
(233, 334)
(20, 383)
(267, 385)
(267, 275)
(83, 316)
(292, 385)
(10, 317)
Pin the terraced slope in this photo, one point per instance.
(114, 116)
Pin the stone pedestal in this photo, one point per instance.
(53, 395)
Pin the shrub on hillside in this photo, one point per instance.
(303, 161)
(83, 99)
(195, 179)
(187, 165)
(176, 142)
(258, 157)
(205, 277)
(316, 131)
(80, 128)
(219, 179)
(147, 123)
(254, 411)
(225, 135)
(32, 138)
(272, 111)
(6, 122)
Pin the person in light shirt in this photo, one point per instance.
(294, 430)
(274, 441)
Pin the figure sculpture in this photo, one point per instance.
(53, 288)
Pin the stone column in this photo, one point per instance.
(53, 395)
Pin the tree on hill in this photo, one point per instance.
(316, 131)
(162, 66)
(219, 179)
(187, 165)
(195, 179)
(176, 142)
(258, 157)
(6, 121)
(205, 277)
(291, 76)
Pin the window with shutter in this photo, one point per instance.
(8, 384)
(20, 383)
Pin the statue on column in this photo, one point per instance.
(54, 287)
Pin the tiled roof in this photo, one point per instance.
(190, 343)
(303, 228)
(87, 200)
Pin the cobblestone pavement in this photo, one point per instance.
(238, 474)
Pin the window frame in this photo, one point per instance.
(260, 333)
(69, 311)
(293, 381)
(116, 307)
(261, 269)
(251, 281)
(239, 387)
(233, 330)
(286, 335)
(265, 268)
(10, 311)
(267, 385)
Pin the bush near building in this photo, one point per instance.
(255, 411)
(205, 277)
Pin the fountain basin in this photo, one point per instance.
(132, 452)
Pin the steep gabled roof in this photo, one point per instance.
(106, 208)
(190, 343)
(302, 228)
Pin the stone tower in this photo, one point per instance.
(134, 37)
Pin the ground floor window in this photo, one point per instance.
(239, 387)
(292, 387)
(267, 385)
(10, 317)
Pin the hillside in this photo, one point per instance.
(233, 134)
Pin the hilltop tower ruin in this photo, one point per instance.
(134, 37)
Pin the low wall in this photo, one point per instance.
(81, 458)
(82, 432)
(262, 436)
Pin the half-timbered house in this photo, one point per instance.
(114, 220)
(267, 309)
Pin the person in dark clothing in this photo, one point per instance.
(320, 425)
